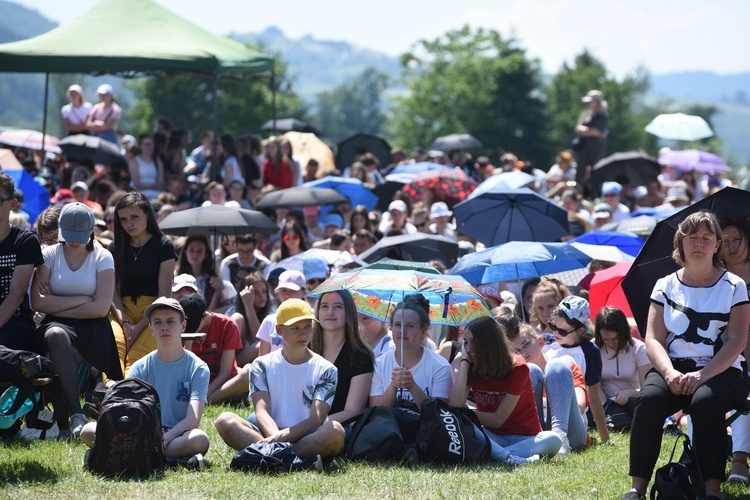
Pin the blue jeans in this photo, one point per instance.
(564, 416)
(546, 443)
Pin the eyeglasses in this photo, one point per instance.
(3, 200)
(563, 333)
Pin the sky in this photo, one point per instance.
(663, 35)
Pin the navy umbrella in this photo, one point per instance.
(654, 261)
(359, 143)
(499, 215)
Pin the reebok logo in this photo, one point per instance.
(449, 421)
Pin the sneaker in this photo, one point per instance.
(195, 462)
(532, 460)
(632, 495)
(565, 448)
(86, 458)
(77, 421)
(317, 464)
(31, 434)
(514, 460)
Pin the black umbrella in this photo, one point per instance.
(361, 142)
(88, 147)
(639, 168)
(654, 261)
(217, 219)
(301, 197)
(289, 125)
(456, 141)
(420, 247)
(499, 215)
(385, 193)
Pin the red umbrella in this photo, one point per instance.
(605, 289)
(454, 184)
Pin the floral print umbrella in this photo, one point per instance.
(453, 183)
(376, 292)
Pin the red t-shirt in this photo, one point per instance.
(488, 393)
(222, 335)
(281, 178)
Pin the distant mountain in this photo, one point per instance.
(703, 86)
(319, 65)
(19, 22)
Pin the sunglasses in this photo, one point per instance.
(315, 281)
(290, 237)
(563, 333)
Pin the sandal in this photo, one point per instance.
(739, 476)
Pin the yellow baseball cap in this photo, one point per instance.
(292, 311)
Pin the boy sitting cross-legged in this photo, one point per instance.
(292, 390)
(181, 380)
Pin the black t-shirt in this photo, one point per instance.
(141, 276)
(349, 364)
(19, 248)
(252, 170)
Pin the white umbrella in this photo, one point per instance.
(680, 127)
(601, 253)
(604, 253)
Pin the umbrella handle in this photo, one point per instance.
(446, 300)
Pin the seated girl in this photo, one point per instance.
(624, 366)
(504, 398)
(410, 372)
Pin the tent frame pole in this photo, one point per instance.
(273, 99)
(215, 146)
(44, 116)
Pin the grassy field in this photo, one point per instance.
(54, 470)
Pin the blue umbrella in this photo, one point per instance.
(418, 168)
(35, 197)
(506, 180)
(627, 242)
(519, 260)
(353, 189)
(499, 216)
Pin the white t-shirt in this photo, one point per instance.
(620, 213)
(236, 170)
(84, 280)
(267, 332)
(696, 317)
(76, 116)
(293, 388)
(432, 374)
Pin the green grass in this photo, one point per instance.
(54, 470)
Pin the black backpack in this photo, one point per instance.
(679, 480)
(129, 436)
(20, 368)
(446, 434)
(267, 458)
(376, 436)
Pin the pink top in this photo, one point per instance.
(621, 373)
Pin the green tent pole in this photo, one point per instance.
(44, 115)
(273, 100)
(215, 147)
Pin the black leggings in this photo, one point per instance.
(707, 408)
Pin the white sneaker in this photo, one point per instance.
(565, 448)
(30, 434)
(532, 460)
(77, 421)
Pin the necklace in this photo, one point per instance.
(135, 255)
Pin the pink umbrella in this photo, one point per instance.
(694, 159)
(30, 139)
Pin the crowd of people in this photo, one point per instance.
(105, 294)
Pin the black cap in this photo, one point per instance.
(194, 307)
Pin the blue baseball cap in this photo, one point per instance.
(611, 187)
